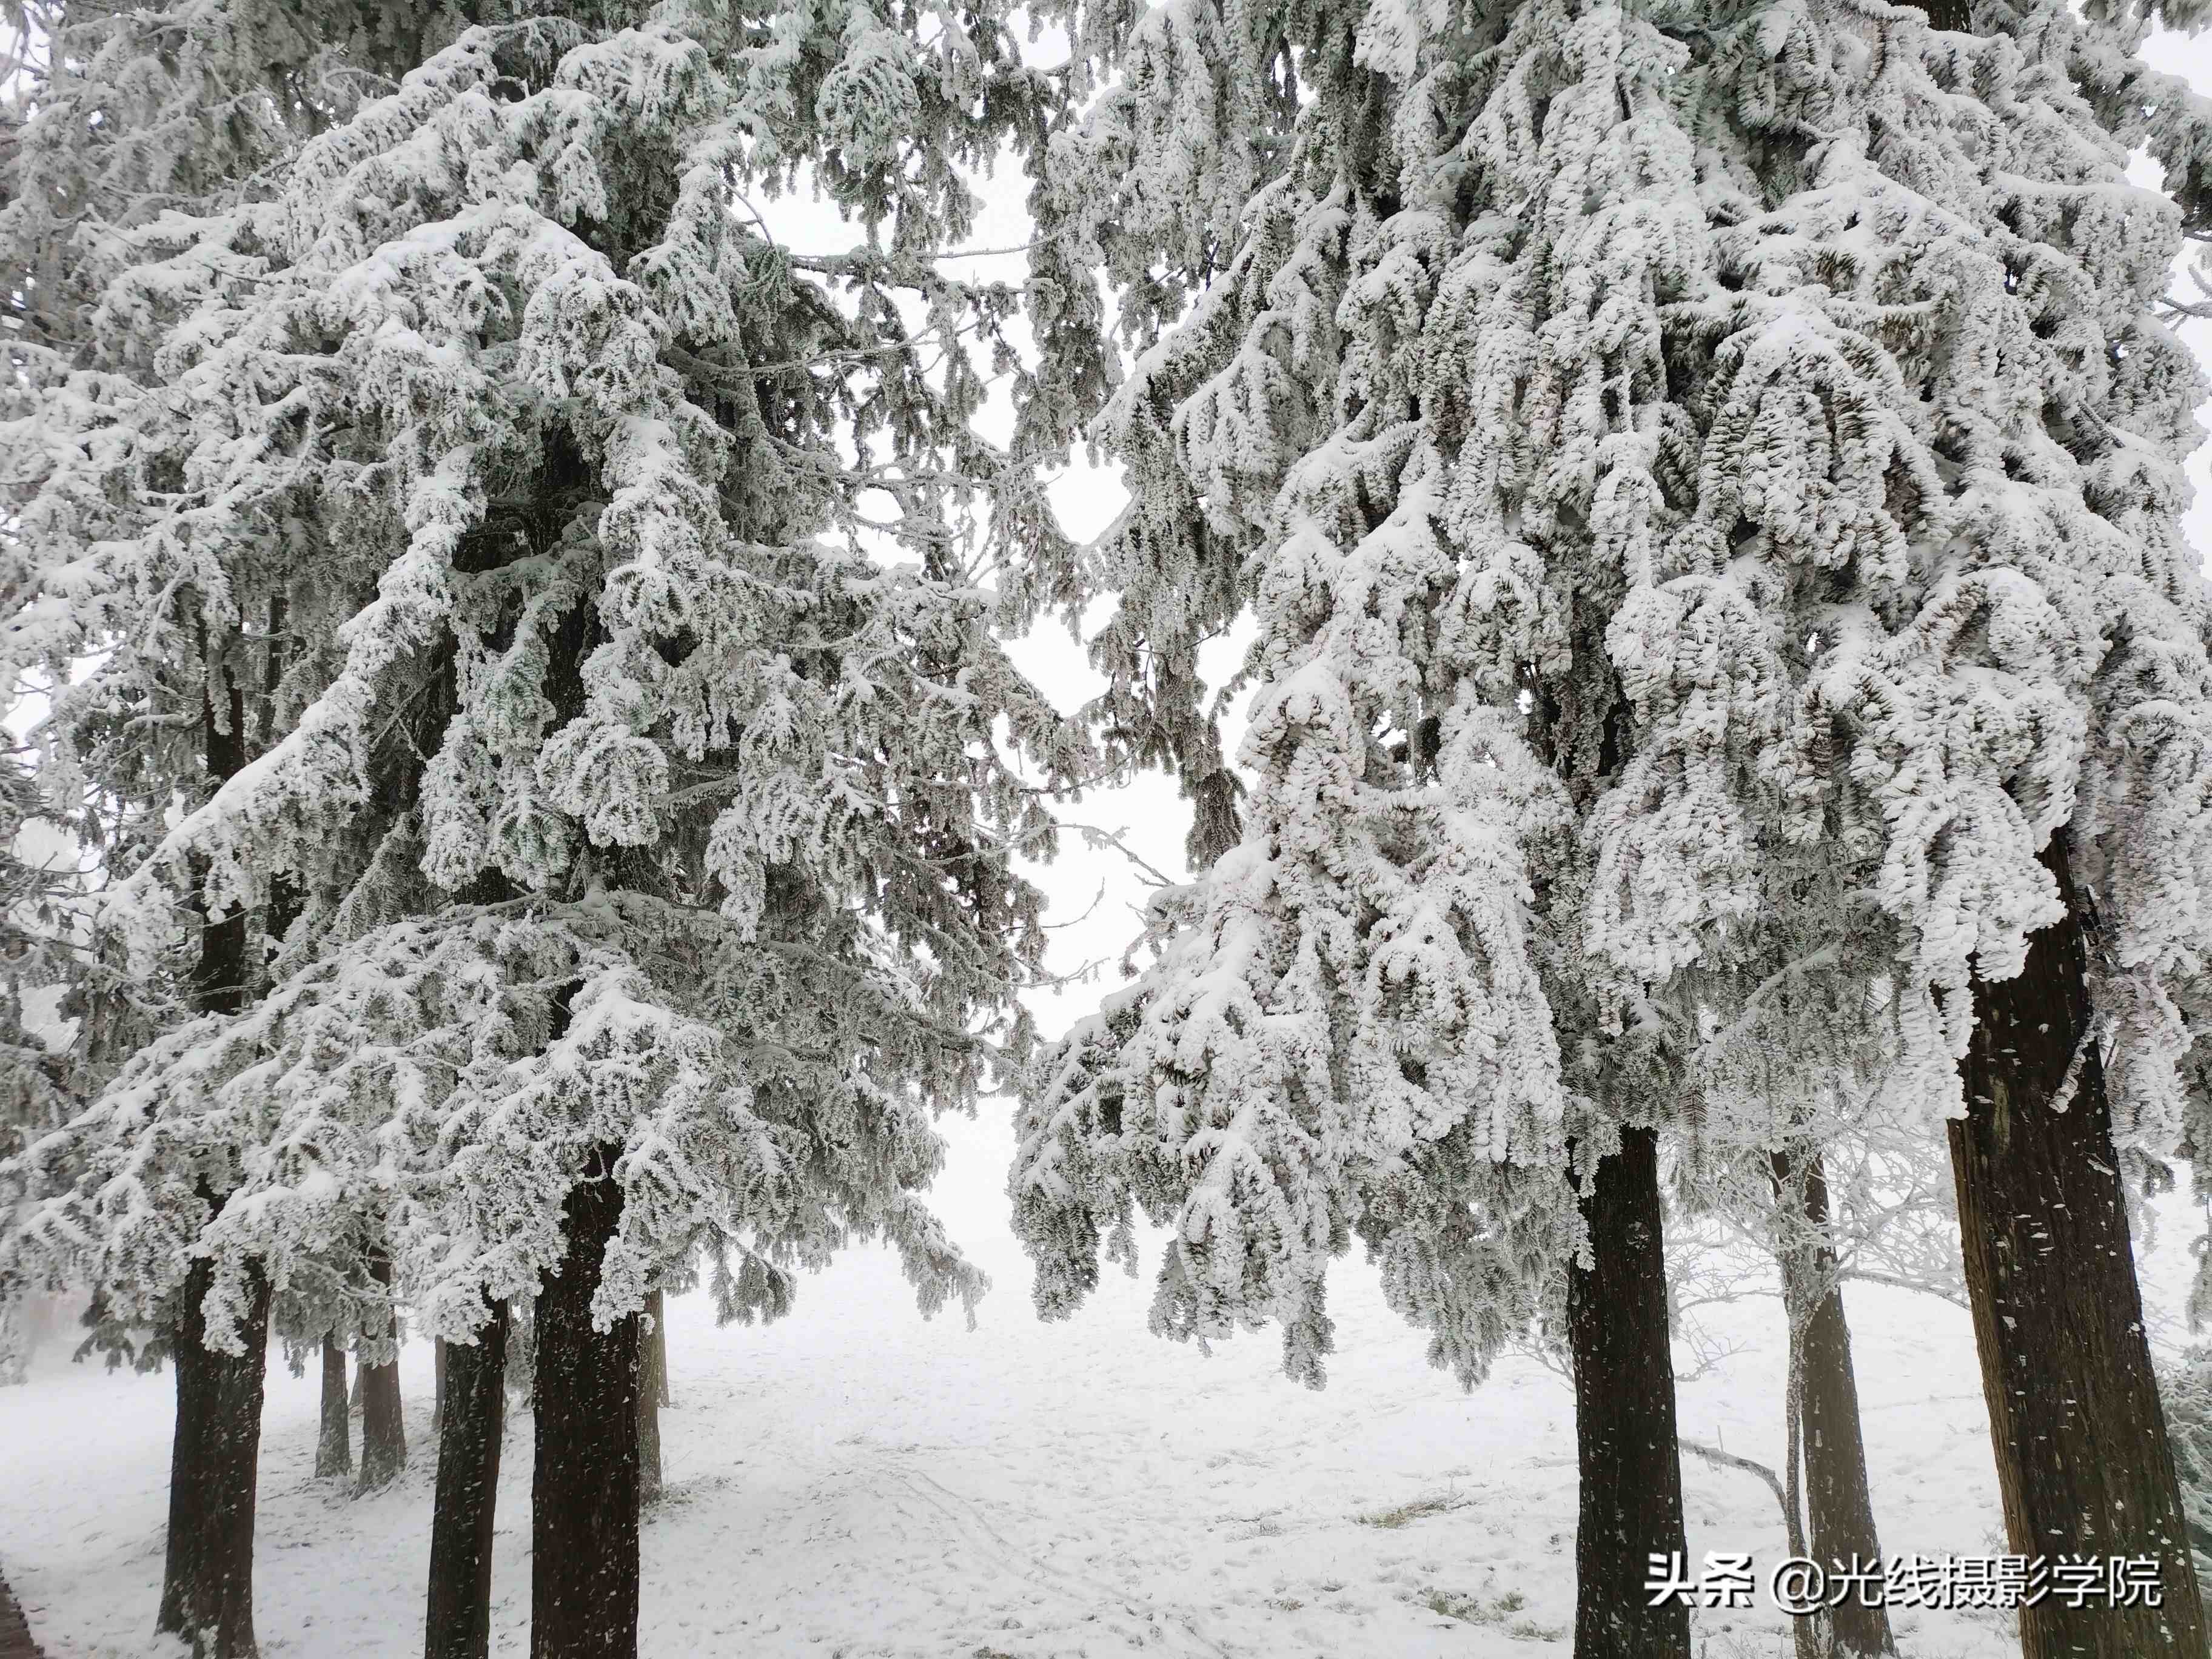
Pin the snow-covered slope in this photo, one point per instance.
(855, 1481)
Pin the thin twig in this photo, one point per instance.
(1730, 1461)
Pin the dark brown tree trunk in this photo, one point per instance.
(207, 1571)
(1631, 1473)
(457, 1621)
(664, 1395)
(584, 1498)
(1837, 1499)
(383, 1428)
(334, 1449)
(650, 1384)
(2083, 1464)
(15, 1641)
(207, 1580)
(437, 1387)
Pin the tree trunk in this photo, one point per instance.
(456, 1624)
(383, 1430)
(334, 1450)
(664, 1395)
(207, 1579)
(1631, 1473)
(437, 1387)
(1812, 1636)
(649, 1385)
(1837, 1499)
(17, 1341)
(583, 1585)
(522, 1353)
(2083, 1464)
(207, 1571)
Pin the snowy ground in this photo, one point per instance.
(855, 1481)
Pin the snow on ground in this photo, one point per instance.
(855, 1481)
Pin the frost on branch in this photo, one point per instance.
(1713, 486)
(636, 571)
(434, 1085)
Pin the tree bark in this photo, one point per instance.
(207, 1570)
(522, 1353)
(1812, 1636)
(456, 1624)
(583, 1500)
(1631, 1473)
(650, 1382)
(1839, 1502)
(664, 1395)
(2083, 1463)
(207, 1579)
(437, 1387)
(383, 1428)
(334, 1449)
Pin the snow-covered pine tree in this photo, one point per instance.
(1937, 514)
(699, 900)
(132, 128)
(1691, 518)
(1425, 393)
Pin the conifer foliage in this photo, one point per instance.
(1708, 480)
(521, 645)
(636, 766)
